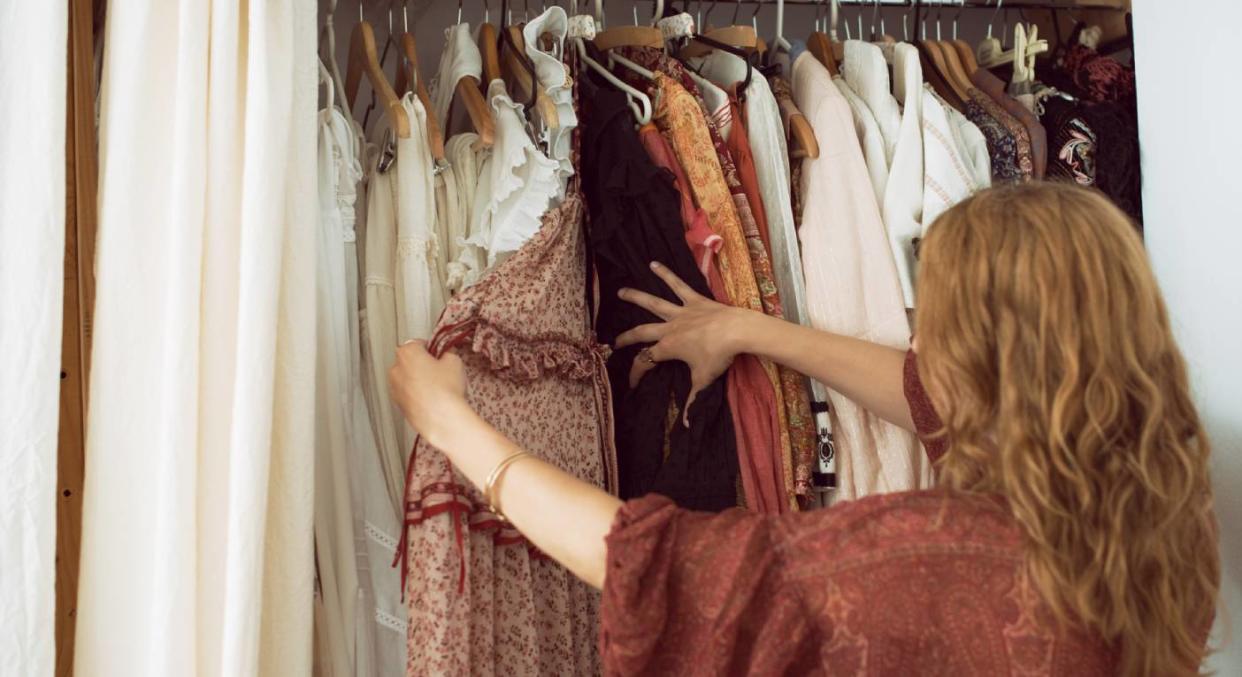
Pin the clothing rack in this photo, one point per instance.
(1069, 5)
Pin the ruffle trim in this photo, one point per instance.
(522, 358)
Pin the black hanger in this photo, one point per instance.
(670, 10)
(507, 39)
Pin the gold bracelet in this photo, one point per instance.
(489, 487)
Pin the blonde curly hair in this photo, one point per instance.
(1045, 346)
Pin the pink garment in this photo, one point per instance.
(703, 241)
(752, 399)
(852, 285)
(481, 599)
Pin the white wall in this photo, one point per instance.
(1189, 101)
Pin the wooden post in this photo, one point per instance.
(81, 179)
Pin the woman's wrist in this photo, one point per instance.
(453, 417)
(746, 331)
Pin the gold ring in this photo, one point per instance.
(645, 354)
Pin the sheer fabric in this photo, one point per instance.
(336, 479)
(32, 253)
(197, 507)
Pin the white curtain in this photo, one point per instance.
(32, 241)
(197, 515)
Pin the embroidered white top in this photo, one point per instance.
(948, 177)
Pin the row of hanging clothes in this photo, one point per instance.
(494, 206)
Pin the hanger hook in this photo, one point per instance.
(992, 20)
(459, 12)
(360, 17)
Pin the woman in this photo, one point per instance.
(1071, 529)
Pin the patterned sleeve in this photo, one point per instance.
(926, 421)
(699, 593)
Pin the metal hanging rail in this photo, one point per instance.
(1067, 5)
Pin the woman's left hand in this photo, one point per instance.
(426, 388)
(700, 332)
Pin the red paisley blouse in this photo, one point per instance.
(916, 583)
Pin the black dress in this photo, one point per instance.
(634, 215)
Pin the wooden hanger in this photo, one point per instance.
(467, 90)
(957, 71)
(364, 58)
(521, 73)
(513, 68)
(802, 138)
(966, 56)
(939, 61)
(938, 82)
(738, 37)
(488, 46)
(477, 110)
(408, 75)
(629, 36)
(821, 48)
(953, 59)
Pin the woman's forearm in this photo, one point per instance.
(562, 515)
(867, 373)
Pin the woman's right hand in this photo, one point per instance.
(426, 388)
(700, 332)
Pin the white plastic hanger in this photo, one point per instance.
(639, 103)
(582, 26)
(990, 55)
(778, 41)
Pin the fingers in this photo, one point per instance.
(685, 411)
(679, 287)
(697, 383)
(653, 304)
(643, 333)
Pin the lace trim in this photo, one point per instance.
(379, 536)
(428, 247)
(391, 622)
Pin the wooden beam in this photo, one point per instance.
(81, 179)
